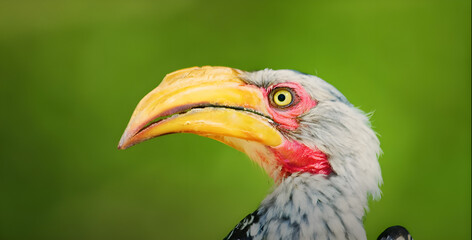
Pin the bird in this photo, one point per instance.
(319, 149)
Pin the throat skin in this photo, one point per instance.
(284, 160)
(296, 157)
(307, 206)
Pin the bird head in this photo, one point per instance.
(286, 121)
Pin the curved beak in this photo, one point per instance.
(209, 101)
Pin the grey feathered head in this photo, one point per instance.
(334, 126)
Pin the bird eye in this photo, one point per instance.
(282, 97)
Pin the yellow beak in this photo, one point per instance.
(209, 101)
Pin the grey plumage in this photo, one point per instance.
(304, 206)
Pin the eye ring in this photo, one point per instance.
(282, 97)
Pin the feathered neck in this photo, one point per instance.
(307, 206)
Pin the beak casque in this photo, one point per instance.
(209, 101)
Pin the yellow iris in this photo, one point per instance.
(282, 98)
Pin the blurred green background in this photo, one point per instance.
(72, 72)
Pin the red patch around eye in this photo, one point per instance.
(288, 117)
(297, 157)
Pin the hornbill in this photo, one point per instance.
(319, 149)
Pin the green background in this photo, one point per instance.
(72, 72)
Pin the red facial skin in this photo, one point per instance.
(287, 117)
(291, 155)
(297, 157)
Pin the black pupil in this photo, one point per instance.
(281, 97)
